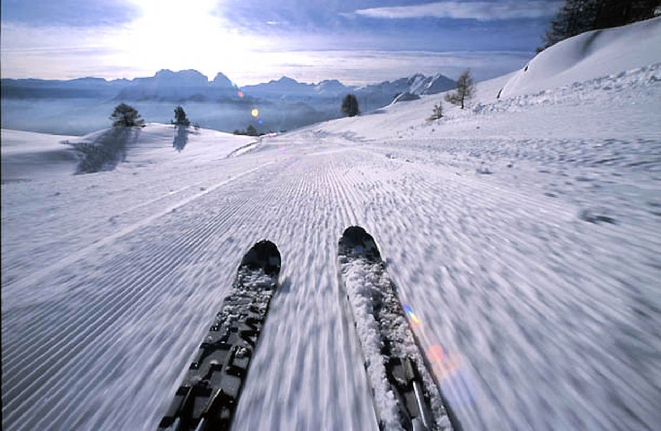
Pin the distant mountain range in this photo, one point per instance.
(289, 103)
(191, 85)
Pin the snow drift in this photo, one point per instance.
(589, 55)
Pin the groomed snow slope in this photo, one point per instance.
(524, 234)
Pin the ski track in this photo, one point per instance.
(545, 319)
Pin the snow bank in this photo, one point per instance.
(589, 55)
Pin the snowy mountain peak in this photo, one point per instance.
(222, 81)
(287, 80)
(331, 87)
(404, 89)
(183, 78)
(416, 78)
(418, 83)
(284, 86)
(438, 84)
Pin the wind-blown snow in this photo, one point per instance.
(524, 233)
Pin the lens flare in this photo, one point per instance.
(254, 112)
(435, 353)
(239, 93)
(411, 314)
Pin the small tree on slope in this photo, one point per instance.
(465, 90)
(180, 118)
(438, 112)
(126, 116)
(350, 105)
(251, 131)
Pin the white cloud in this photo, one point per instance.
(481, 11)
(130, 51)
(139, 48)
(114, 53)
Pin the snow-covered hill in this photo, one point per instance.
(593, 54)
(524, 233)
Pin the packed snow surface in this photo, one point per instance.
(523, 234)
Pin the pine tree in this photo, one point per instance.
(126, 116)
(251, 131)
(613, 13)
(180, 118)
(578, 16)
(574, 17)
(350, 105)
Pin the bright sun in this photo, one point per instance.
(182, 35)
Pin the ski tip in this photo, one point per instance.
(263, 255)
(355, 241)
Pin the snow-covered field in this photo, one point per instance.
(524, 234)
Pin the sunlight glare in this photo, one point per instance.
(184, 35)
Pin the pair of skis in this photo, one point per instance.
(405, 396)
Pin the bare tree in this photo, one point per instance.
(465, 90)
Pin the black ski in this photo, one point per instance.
(405, 394)
(208, 395)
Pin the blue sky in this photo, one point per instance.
(257, 40)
